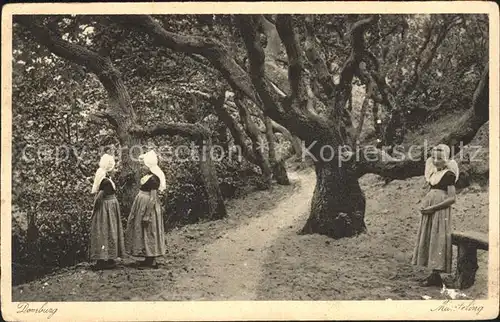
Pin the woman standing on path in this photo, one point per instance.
(434, 248)
(145, 236)
(106, 232)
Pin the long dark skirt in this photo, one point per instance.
(145, 240)
(106, 232)
(433, 247)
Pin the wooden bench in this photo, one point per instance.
(468, 243)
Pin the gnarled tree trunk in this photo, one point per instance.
(338, 203)
(257, 143)
(278, 166)
(215, 201)
(254, 154)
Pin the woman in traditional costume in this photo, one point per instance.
(106, 232)
(145, 235)
(433, 248)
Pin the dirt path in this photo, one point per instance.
(230, 268)
(376, 265)
(256, 254)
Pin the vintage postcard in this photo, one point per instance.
(250, 161)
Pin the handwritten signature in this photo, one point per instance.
(449, 306)
(29, 308)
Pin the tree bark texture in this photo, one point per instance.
(257, 143)
(277, 165)
(338, 204)
(215, 201)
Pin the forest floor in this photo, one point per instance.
(256, 254)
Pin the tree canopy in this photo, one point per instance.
(110, 82)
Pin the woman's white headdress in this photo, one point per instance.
(150, 159)
(106, 164)
(432, 174)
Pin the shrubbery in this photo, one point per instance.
(184, 200)
(57, 237)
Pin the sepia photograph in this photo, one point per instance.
(233, 157)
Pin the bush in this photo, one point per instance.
(59, 237)
(185, 201)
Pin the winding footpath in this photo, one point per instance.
(231, 267)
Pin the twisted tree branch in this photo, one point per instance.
(209, 48)
(193, 131)
(321, 69)
(406, 166)
(295, 65)
(97, 64)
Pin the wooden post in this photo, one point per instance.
(468, 243)
(466, 265)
